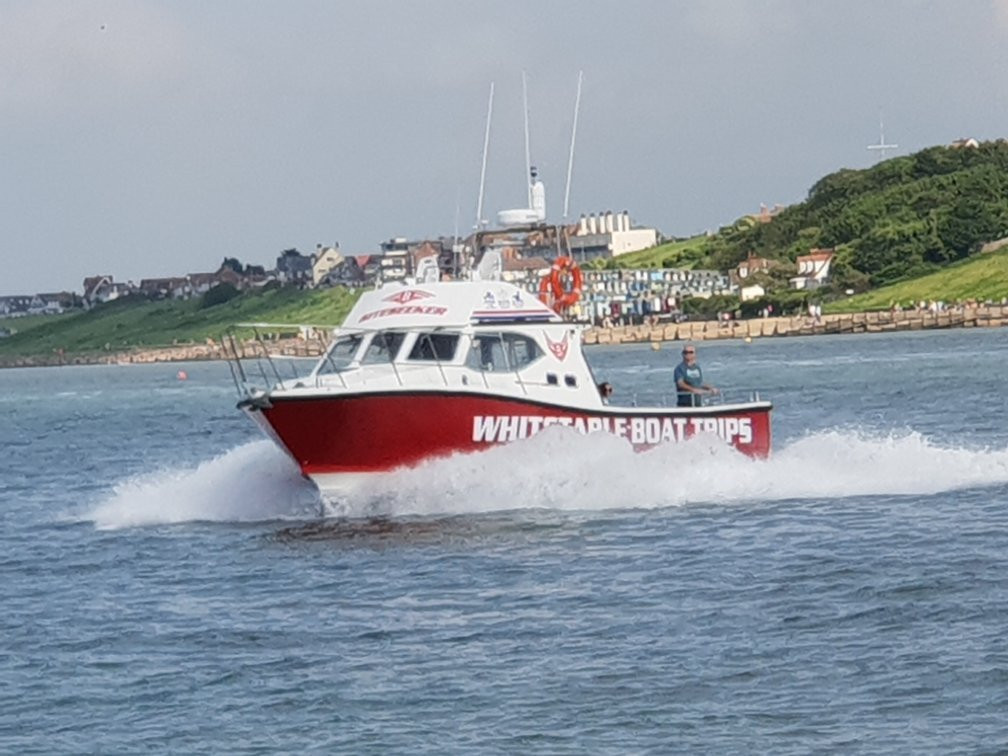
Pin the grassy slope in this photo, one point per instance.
(982, 277)
(125, 324)
(675, 254)
(27, 322)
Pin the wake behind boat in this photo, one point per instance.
(423, 370)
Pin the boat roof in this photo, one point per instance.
(447, 304)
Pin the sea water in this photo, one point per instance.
(170, 583)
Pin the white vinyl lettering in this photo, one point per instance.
(652, 430)
(485, 428)
(509, 428)
(745, 430)
(680, 427)
(641, 431)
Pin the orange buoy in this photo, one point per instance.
(551, 286)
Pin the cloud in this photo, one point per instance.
(738, 23)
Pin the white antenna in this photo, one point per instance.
(882, 146)
(570, 158)
(457, 209)
(528, 159)
(486, 146)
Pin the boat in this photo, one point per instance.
(420, 370)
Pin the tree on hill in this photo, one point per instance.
(219, 294)
(900, 218)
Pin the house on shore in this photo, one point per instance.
(294, 268)
(813, 269)
(325, 259)
(15, 305)
(172, 287)
(101, 289)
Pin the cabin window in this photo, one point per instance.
(502, 352)
(383, 348)
(434, 346)
(341, 353)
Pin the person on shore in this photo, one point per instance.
(689, 381)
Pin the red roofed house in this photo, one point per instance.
(752, 264)
(813, 269)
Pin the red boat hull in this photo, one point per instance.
(363, 433)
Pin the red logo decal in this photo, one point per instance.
(558, 348)
(409, 295)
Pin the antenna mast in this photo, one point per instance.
(882, 146)
(570, 158)
(528, 159)
(486, 146)
(457, 209)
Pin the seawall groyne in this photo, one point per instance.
(986, 316)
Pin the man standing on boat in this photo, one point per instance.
(689, 380)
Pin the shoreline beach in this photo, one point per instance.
(981, 316)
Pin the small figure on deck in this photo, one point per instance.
(689, 381)
(605, 391)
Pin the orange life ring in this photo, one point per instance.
(551, 286)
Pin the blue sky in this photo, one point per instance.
(145, 139)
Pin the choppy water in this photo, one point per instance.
(167, 585)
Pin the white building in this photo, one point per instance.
(813, 269)
(326, 258)
(609, 235)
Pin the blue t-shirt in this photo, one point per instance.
(691, 374)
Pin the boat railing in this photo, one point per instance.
(671, 399)
(261, 355)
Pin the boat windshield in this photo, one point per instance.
(383, 348)
(340, 355)
(434, 346)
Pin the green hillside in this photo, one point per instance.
(980, 278)
(904, 229)
(900, 219)
(681, 253)
(128, 323)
